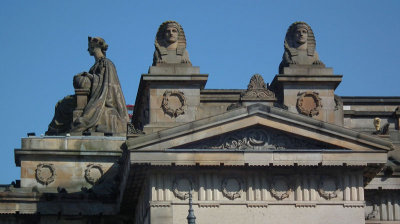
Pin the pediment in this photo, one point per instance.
(257, 138)
(258, 127)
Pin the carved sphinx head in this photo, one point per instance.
(300, 33)
(170, 32)
(97, 42)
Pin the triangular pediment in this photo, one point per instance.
(257, 138)
(258, 127)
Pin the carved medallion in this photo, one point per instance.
(181, 187)
(173, 103)
(328, 187)
(93, 173)
(309, 103)
(45, 173)
(280, 187)
(232, 187)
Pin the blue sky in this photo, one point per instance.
(44, 45)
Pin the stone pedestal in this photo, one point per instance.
(168, 96)
(81, 102)
(310, 90)
(71, 162)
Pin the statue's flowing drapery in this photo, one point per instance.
(106, 109)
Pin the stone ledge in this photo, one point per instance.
(310, 79)
(265, 158)
(73, 143)
(255, 204)
(19, 153)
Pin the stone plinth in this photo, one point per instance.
(81, 102)
(310, 94)
(168, 96)
(307, 70)
(174, 69)
(71, 163)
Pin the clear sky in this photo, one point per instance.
(44, 45)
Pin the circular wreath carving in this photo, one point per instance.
(173, 112)
(93, 173)
(45, 173)
(309, 103)
(232, 187)
(328, 187)
(280, 187)
(181, 187)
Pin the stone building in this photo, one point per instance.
(288, 152)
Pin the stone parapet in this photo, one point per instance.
(73, 143)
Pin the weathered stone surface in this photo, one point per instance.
(174, 70)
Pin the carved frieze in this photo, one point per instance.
(232, 187)
(181, 186)
(309, 103)
(93, 173)
(173, 110)
(45, 173)
(328, 187)
(281, 187)
(258, 89)
(257, 138)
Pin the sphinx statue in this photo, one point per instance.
(170, 45)
(299, 47)
(105, 110)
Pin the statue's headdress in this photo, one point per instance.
(99, 42)
(290, 39)
(161, 36)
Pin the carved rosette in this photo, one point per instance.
(257, 89)
(232, 187)
(170, 110)
(309, 103)
(181, 186)
(93, 173)
(328, 187)
(280, 187)
(45, 173)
